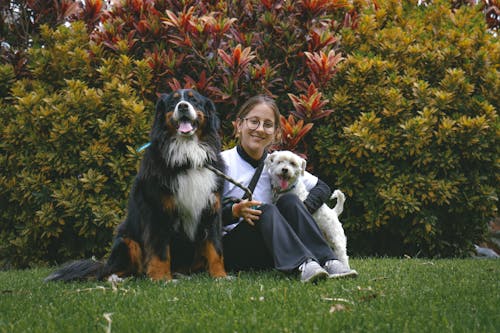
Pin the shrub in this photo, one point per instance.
(229, 51)
(68, 150)
(414, 136)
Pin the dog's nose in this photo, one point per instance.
(284, 170)
(183, 107)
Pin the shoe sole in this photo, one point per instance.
(350, 274)
(319, 275)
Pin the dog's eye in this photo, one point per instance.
(193, 100)
(293, 164)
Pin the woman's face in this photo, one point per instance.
(255, 140)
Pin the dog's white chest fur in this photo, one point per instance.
(300, 190)
(182, 151)
(195, 192)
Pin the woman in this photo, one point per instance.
(259, 234)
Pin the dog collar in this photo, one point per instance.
(144, 146)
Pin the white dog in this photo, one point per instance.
(286, 170)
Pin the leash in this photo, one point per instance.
(217, 172)
(231, 180)
(144, 146)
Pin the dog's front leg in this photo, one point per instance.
(214, 258)
(159, 268)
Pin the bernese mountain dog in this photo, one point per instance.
(173, 221)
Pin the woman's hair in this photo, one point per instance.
(256, 100)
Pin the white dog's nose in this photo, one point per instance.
(284, 170)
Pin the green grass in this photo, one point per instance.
(390, 295)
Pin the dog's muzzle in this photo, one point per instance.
(185, 118)
(284, 179)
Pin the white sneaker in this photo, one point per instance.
(311, 271)
(337, 269)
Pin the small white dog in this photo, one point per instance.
(286, 170)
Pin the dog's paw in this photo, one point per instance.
(113, 278)
(226, 278)
(180, 276)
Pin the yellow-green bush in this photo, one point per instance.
(414, 139)
(68, 149)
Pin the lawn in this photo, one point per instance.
(390, 295)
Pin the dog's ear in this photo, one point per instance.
(161, 103)
(160, 110)
(269, 159)
(304, 163)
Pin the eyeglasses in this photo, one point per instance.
(254, 123)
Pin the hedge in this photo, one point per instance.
(414, 139)
(402, 99)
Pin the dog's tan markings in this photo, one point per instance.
(177, 95)
(168, 203)
(159, 269)
(169, 123)
(190, 94)
(217, 203)
(200, 117)
(215, 261)
(135, 253)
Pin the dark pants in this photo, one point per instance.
(284, 237)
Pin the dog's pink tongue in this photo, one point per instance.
(283, 183)
(185, 127)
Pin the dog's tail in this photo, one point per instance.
(339, 206)
(77, 270)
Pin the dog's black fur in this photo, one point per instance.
(174, 210)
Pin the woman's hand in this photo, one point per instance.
(248, 210)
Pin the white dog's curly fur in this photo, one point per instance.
(286, 170)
